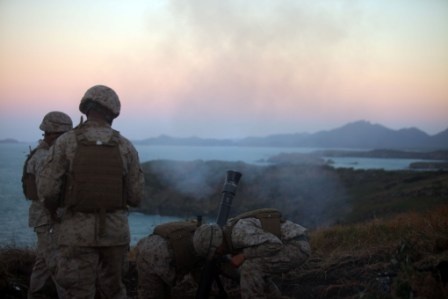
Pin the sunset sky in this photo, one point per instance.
(226, 69)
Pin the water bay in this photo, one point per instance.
(14, 228)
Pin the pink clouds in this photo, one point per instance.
(209, 68)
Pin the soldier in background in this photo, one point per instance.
(261, 244)
(54, 124)
(99, 172)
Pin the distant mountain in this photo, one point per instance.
(8, 140)
(359, 134)
(441, 138)
(362, 134)
(190, 141)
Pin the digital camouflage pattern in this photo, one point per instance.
(166, 259)
(155, 266)
(207, 239)
(89, 272)
(45, 265)
(266, 254)
(81, 229)
(39, 219)
(81, 271)
(103, 95)
(56, 122)
(38, 215)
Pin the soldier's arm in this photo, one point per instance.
(134, 179)
(50, 178)
(248, 236)
(262, 250)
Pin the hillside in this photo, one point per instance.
(374, 234)
(356, 135)
(312, 194)
(405, 256)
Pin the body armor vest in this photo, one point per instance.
(180, 238)
(270, 219)
(29, 180)
(95, 183)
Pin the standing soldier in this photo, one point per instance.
(99, 173)
(261, 244)
(54, 124)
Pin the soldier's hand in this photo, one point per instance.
(237, 260)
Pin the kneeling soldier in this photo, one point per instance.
(261, 244)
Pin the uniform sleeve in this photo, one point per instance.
(134, 180)
(31, 165)
(52, 175)
(248, 235)
(34, 164)
(39, 163)
(291, 230)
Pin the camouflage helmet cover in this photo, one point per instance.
(207, 238)
(102, 95)
(56, 122)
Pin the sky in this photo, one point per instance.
(226, 69)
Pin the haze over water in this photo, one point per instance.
(14, 228)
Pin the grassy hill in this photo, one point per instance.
(374, 234)
(405, 256)
(311, 194)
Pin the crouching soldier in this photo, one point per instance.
(166, 258)
(261, 244)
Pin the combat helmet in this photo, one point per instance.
(56, 122)
(102, 95)
(207, 238)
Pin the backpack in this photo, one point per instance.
(179, 235)
(29, 180)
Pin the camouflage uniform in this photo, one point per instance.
(266, 254)
(39, 218)
(158, 271)
(93, 247)
(44, 267)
